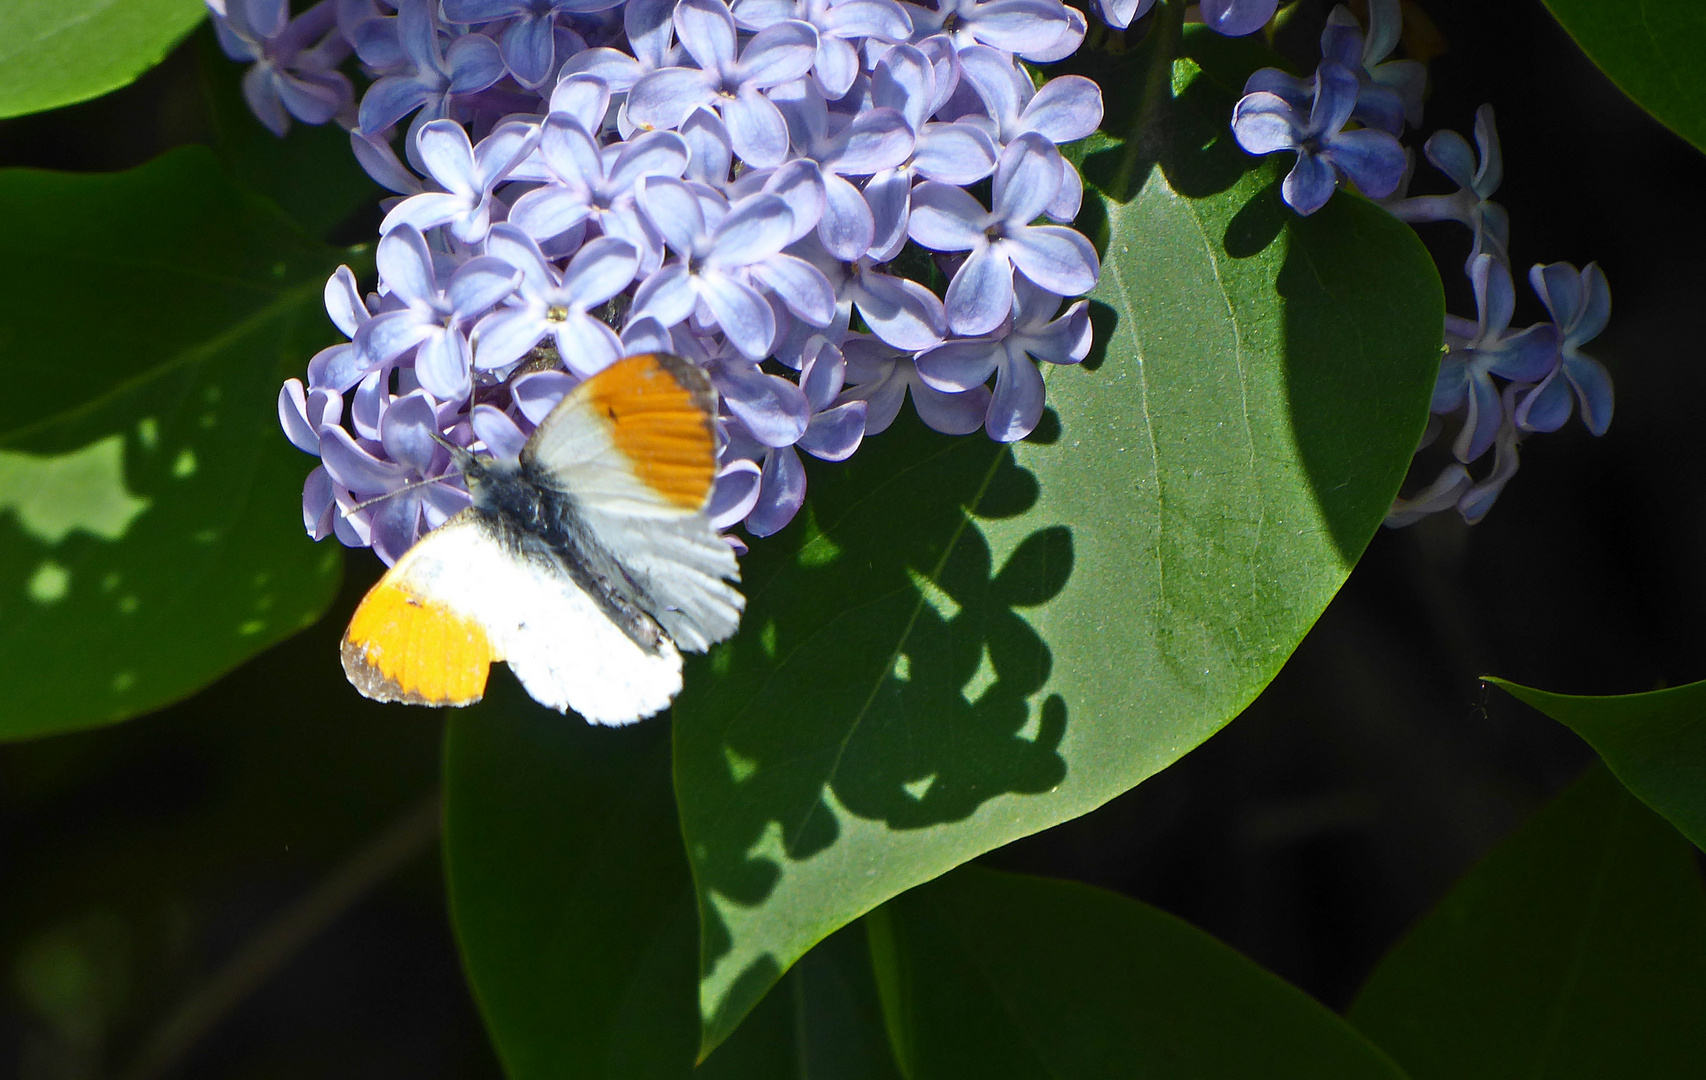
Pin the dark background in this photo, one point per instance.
(1308, 834)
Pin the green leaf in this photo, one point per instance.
(1655, 743)
(957, 644)
(1654, 50)
(150, 510)
(986, 974)
(572, 901)
(1576, 950)
(310, 173)
(56, 52)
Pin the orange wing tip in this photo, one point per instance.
(659, 411)
(400, 647)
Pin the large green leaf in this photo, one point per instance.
(1654, 50)
(1576, 951)
(150, 523)
(56, 52)
(1654, 742)
(957, 644)
(986, 974)
(572, 900)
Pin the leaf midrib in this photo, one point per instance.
(187, 357)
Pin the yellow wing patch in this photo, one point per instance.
(658, 408)
(400, 647)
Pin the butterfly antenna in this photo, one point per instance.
(412, 485)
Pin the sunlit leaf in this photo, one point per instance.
(1576, 950)
(957, 644)
(1655, 743)
(55, 52)
(986, 974)
(150, 511)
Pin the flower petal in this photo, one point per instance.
(981, 294)
(1060, 259)
(946, 218)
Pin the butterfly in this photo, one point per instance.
(587, 563)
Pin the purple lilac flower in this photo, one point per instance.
(295, 61)
(430, 76)
(870, 142)
(732, 83)
(1032, 333)
(341, 367)
(648, 36)
(738, 180)
(1236, 18)
(528, 44)
(883, 377)
(706, 271)
(599, 185)
(1479, 350)
(1264, 122)
(1580, 303)
(1041, 31)
(839, 25)
(1442, 493)
(386, 475)
(1066, 109)
(1478, 499)
(431, 319)
(547, 303)
(907, 80)
(1120, 14)
(468, 175)
(1000, 240)
(1477, 177)
(900, 312)
(1391, 89)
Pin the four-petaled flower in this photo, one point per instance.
(528, 45)
(1476, 351)
(550, 304)
(946, 218)
(1580, 303)
(467, 173)
(295, 60)
(431, 319)
(732, 83)
(1033, 333)
(708, 270)
(1266, 123)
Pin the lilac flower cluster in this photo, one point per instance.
(581, 180)
(1496, 385)
(733, 181)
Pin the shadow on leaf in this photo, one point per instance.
(884, 677)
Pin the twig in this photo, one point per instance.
(280, 939)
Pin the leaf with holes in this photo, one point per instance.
(958, 643)
(150, 510)
(1576, 950)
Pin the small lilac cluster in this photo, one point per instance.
(1496, 384)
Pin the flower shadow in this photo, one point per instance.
(886, 681)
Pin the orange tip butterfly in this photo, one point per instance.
(587, 563)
